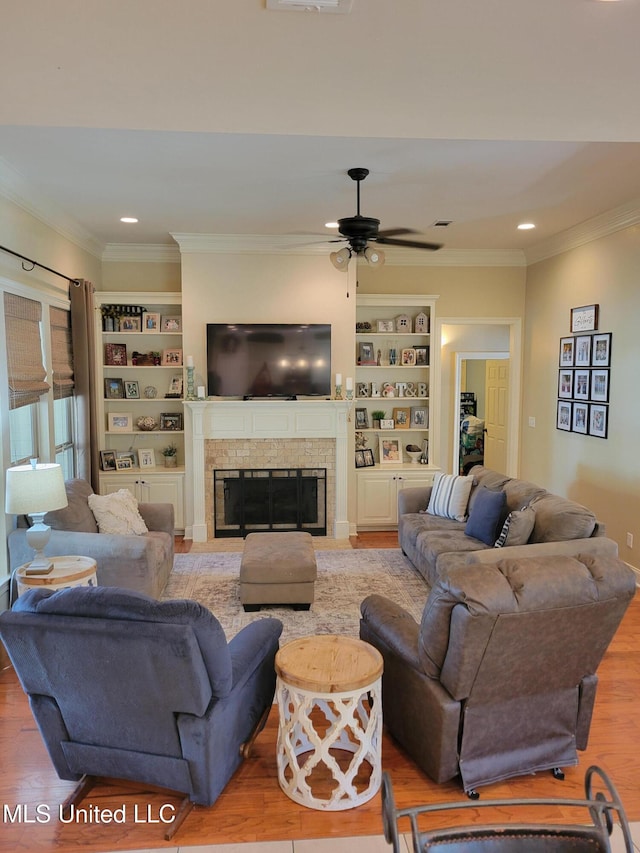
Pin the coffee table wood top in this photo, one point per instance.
(328, 663)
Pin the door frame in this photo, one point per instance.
(470, 356)
(514, 325)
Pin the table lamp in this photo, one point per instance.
(34, 490)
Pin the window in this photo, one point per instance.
(23, 434)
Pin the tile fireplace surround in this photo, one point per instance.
(261, 434)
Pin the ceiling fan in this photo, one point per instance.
(360, 230)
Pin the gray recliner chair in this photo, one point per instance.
(125, 687)
(499, 679)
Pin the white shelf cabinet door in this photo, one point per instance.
(378, 493)
(150, 488)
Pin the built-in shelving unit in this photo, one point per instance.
(139, 358)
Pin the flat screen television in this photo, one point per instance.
(268, 360)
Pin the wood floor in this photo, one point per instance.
(252, 808)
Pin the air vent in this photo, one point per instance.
(442, 223)
(339, 7)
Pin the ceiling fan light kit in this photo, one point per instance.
(361, 230)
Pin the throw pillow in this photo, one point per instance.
(76, 516)
(517, 527)
(485, 515)
(450, 496)
(117, 513)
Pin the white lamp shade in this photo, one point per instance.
(36, 489)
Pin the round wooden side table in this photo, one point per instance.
(330, 706)
(67, 571)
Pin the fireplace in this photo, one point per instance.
(250, 499)
(234, 435)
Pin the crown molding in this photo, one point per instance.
(15, 188)
(585, 232)
(293, 244)
(141, 253)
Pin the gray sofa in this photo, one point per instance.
(435, 544)
(141, 563)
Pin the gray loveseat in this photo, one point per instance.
(435, 544)
(141, 563)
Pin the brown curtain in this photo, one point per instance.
(83, 340)
(61, 353)
(24, 350)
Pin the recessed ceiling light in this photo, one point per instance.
(128, 219)
(526, 226)
(331, 225)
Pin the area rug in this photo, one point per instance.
(345, 578)
(320, 543)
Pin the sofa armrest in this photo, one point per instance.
(394, 626)
(413, 499)
(158, 516)
(600, 545)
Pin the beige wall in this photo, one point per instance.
(603, 474)
(149, 276)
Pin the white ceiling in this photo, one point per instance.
(228, 118)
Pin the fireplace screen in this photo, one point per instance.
(253, 499)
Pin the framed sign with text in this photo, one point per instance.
(584, 319)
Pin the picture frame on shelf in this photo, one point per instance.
(402, 417)
(387, 423)
(600, 385)
(422, 356)
(150, 321)
(563, 415)
(359, 458)
(131, 389)
(390, 451)
(145, 359)
(108, 460)
(171, 323)
(581, 384)
(113, 389)
(366, 353)
(367, 454)
(386, 326)
(146, 458)
(123, 464)
(172, 357)
(583, 351)
(129, 323)
(419, 417)
(580, 418)
(584, 318)
(362, 419)
(408, 357)
(567, 352)
(171, 421)
(565, 384)
(120, 422)
(598, 420)
(175, 386)
(601, 350)
(115, 355)
(129, 456)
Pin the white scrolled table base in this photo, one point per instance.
(355, 726)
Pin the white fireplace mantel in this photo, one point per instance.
(276, 419)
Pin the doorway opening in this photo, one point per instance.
(481, 422)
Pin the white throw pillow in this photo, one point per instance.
(117, 513)
(450, 496)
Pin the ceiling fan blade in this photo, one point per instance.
(410, 244)
(395, 232)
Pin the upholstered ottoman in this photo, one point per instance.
(278, 568)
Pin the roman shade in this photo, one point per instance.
(61, 353)
(27, 374)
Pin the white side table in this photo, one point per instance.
(330, 702)
(67, 571)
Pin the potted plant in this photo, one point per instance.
(170, 453)
(376, 417)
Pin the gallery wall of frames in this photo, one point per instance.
(584, 376)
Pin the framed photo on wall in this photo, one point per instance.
(600, 386)
(581, 384)
(583, 351)
(580, 418)
(567, 352)
(584, 318)
(601, 350)
(565, 384)
(598, 420)
(563, 418)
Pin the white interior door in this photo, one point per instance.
(496, 416)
